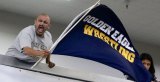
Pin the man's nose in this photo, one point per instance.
(42, 23)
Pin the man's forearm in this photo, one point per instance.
(31, 52)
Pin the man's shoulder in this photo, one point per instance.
(47, 33)
(28, 29)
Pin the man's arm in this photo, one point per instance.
(43, 53)
(31, 52)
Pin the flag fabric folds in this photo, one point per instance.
(100, 36)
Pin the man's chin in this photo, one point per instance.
(40, 34)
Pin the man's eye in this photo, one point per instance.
(40, 20)
(45, 22)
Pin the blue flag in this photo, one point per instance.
(100, 36)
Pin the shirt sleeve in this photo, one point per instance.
(25, 40)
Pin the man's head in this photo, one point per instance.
(42, 23)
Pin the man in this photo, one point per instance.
(33, 42)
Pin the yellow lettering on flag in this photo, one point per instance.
(91, 31)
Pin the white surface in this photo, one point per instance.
(81, 64)
(10, 74)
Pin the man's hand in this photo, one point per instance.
(44, 53)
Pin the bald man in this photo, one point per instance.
(33, 42)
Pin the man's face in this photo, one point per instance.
(42, 24)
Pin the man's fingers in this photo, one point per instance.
(46, 51)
